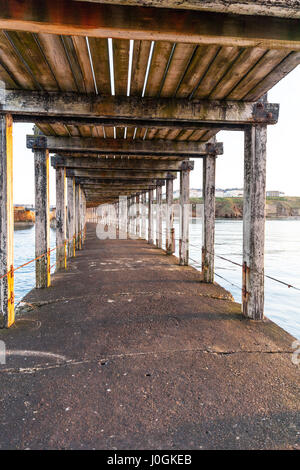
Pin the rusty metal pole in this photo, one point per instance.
(208, 225)
(60, 217)
(184, 213)
(7, 313)
(42, 219)
(71, 216)
(169, 215)
(254, 221)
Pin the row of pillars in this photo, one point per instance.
(71, 212)
(70, 216)
(253, 219)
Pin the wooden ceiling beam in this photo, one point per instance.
(129, 22)
(116, 164)
(148, 109)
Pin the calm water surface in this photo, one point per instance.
(282, 305)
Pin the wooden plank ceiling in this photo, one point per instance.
(52, 62)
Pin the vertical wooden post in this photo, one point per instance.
(169, 215)
(77, 217)
(128, 216)
(71, 216)
(42, 219)
(60, 218)
(254, 221)
(123, 217)
(138, 216)
(208, 226)
(143, 216)
(184, 213)
(150, 218)
(7, 313)
(159, 216)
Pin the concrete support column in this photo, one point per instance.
(159, 216)
(7, 314)
(150, 218)
(138, 216)
(254, 221)
(184, 213)
(42, 219)
(208, 225)
(143, 216)
(169, 215)
(71, 216)
(61, 223)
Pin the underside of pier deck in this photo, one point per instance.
(130, 350)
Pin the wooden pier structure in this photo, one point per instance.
(124, 98)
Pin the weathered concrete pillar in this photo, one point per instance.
(138, 216)
(7, 314)
(254, 221)
(71, 216)
(150, 218)
(42, 220)
(169, 215)
(61, 223)
(184, 213)
(208, 225)
(159, 216)
(143, 216)
(77, 217)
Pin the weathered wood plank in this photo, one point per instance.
(248, 58)
(56, 57)
(121, 60)
(277, 74)
(280, 8)
(116, 163)
(265, 65)
(151, 109)
(100, 20)
(218, 67)
(201, 58)
(123, 146)
(99, 54)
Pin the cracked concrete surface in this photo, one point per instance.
(144, 356)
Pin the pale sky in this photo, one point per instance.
(283, 151)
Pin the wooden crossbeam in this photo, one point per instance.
(147, 109)
(100, 20)
(117, 174)
(122, 146)
(116, 164)
(255, 7)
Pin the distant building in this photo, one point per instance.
(274, 194)
(234, 192)
(220, 192)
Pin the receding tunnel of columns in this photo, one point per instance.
(144, 122)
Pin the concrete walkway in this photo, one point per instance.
(128, 350)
